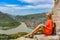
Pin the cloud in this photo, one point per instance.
(13, 8)
(16, 7)
(10, 5)
(31, 1)
(36, 1)
(41, 6)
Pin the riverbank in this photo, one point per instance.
(20, 28)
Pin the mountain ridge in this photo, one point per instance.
(32, 20)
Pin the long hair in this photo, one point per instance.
(49, 15)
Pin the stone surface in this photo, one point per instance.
(56, 15)
(42, 37)
(23, 38)
(39, 37)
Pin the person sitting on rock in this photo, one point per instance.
(47, 28)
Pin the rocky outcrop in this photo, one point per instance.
(41, 37)
(56, 15)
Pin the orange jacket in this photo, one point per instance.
(48, 28)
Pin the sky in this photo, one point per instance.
(25, 7)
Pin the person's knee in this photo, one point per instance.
(41, 25)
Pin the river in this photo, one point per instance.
(21, 28)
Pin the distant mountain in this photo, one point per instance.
(7, 21)
(4, 17)
(32, 20)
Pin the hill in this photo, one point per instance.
(7, 21)
(32, 20)
(5, 17)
